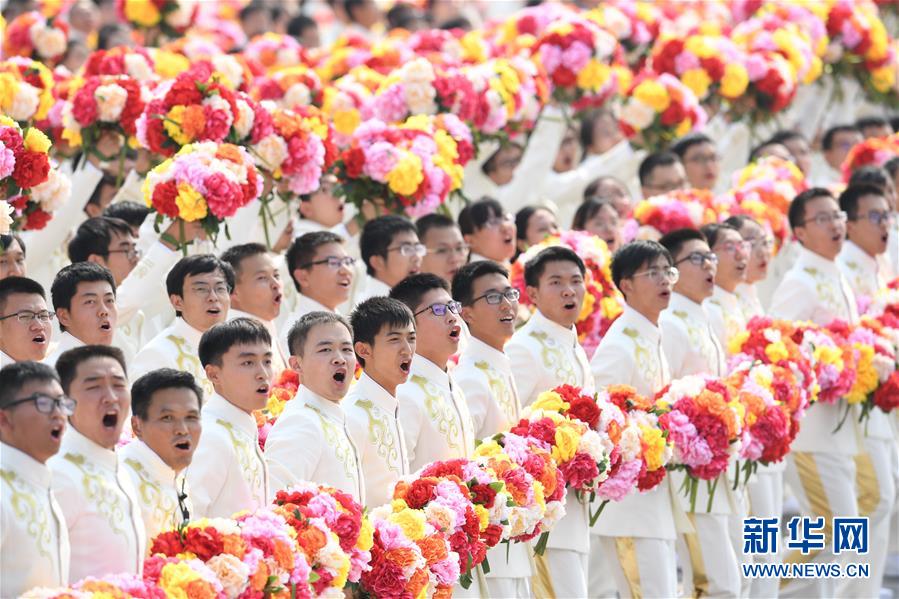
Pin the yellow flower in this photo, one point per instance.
(488, 448)
(343, 572)
(866, 378)
(567, 440)
(777, 351)
(446, 146)
(550, 401)
(540, 495)
(407, 175)
(172, 125)
(412, 522)
(142, 12)
(346, 121)
(168, 64)
(700, 46)
(174, 579)
(625, 78)
(483, 516)
(561, 27)
(653, 94)
(419, 122)
(735, 80)
(473, 48)
(653, 446)
(683, 128)
(587, 306)
(73, 137)
(698, 81)
(191, 205)
(366, 535)
(594, 75)
(36, 141)
(829, 355)
(883, 78)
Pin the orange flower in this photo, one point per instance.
(229, 152)
(284, 555)
(433, 548)
(234, 545)
(286, 124)
(199, 589)
(259, 578)
(401, 556)
(311, 540)
(443, 593)
(193, 121)
(614, 431)
(419, 581)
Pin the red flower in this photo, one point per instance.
(887, 395)
(585, 410)
(492, 535)
(163, 198)
(223, 196)
(168, 543)
(37, 220)
(420, 492)
(579, 471)
(205, 543)
(354, 160)
(10, 138)
(649, 479)
(483, 495)
(31, 169)
(183, 91)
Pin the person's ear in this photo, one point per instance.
(135, 427)
(378, 263)
(363, 350)
(5, 421)
(295, 363)
(305, 208)
(467, 315)
(213, 373)
(626, 286)
(64, 317)
(531, 291)
(176, 300)
(800, 234)
(97, 259)
(301, 276)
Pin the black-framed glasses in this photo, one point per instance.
(825, 218)
(699, 258)
(410, 249)
(660, 275)
(495, 297)
(877, 217)
(132, 253)
(440, 309)
(333, 262)
(45, 403)
(27, 316)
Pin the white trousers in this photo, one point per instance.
(824, 485)
(709, 562)
(508, 588)
(766, 500)
(642, 567)
(601, 576)
(568, 573)
(876, 487)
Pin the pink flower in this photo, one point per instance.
(7, 162)
(223, 196)
(685, 61)
(576, 56)
(218, 123)
(551, 57)
(380, 159)
(756, 67)
(616, 488)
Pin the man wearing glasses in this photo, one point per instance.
(199, 289)
(733, 253)
(691, 347)
(489, 306)
(436, 422)
(637, 535)
(868, 230)
(391, 251)
(821, 467)
(544, 354)
(25, 322)
(34, 549)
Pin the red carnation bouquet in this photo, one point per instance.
(37, 37)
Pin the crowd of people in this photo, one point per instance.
(141, 354)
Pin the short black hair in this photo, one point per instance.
(65, 284)
(712, 231)
(459, 22)
(866, 122)
(784, 135)
(403, 16)
(653, 161)
(302, 250)
(143, 389)
(463, 281)
(238, 253)
(534, 268)
(296, 337)
(632, 256)
(131, 212)
(891, 166)
(827, 140)
(256, 6)
(18, 374)
(6, 241)
(196, 265)
(591, 192)
(587, 210)
(756, 152)
(686, 142)
(378, 234)
(374, 315)
(105, 34)
(474, 217)
(870, 175)
(490, 164)
(522, 217)
(674, 241)
(13, 285)
(433, 221)
(851, 196)
(588, 122)
(94, 236)
(413, 288)
(221, 337)
(68, 361)
(738, 221)
(298, 24)
(796, 213)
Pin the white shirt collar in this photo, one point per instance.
(540, 321)
(807, 258)
(68, 341)
(181, 328)
(368, 388)
(644, 327)
(331, 410)
(427, 369)
(75, 442)
(375, 287)
(477, 349)
(684, 304)
(227, 411)
(306, 304)
(723, 295)
(851, 252)
(5, 359)
(151, 461)
(25, 466)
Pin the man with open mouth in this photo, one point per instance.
(165, 420)
(258, 292)
(100, 504)
(868, 228)
(489, 306)
(691, 347)
(199, 289)
(637, 535)
(227, 473)
(544, 354)
(733, 254)
(311, 441)
(391, 252)
(33, 412)
(84, 298)
(823, 454)
(26, 324)
(384, 340)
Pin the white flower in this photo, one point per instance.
(630, 443)
(417, 71)
(287, 57)
(111, 100)
(297, 95)
(231, 572)
(637, 114)
(180, 17)
(137, 67)
(5, 217)
(48, 41)
(244, 122)
(24, 103)
(54, 192)
(229, 66)
(555, 511)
